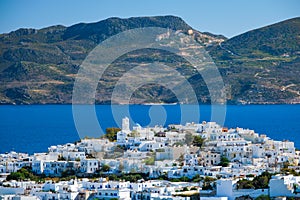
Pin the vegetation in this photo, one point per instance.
(207, 183)
(105, 168)
(245, 184)
(288, 171)
(189, 138)
(259, 182)
(111, 134)
(150, 161)
(263, 197)
(61, 158)
(244, 197)
(224, 162)
(255, 65)
(132, 177)
(197, 178)
(68, 173)
(23, 174)
(134, 133)
(198, 141)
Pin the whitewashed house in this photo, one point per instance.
(288, 186)
(113, 193)
(89, 165)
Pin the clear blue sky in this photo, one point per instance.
(230, 17)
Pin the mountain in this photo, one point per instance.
(262, 65)
(40, 66)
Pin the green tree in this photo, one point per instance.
(207, 183)
(197, 178)
(245, 184)
(67, 173)
(184, 179)
(134, 133)
(181, 159)
(150, 161)
(105, 168)
(259, 182)
(24, 173)
(198, 141)
(224, 162)
(188, 138)
(262, 181)
(111, 133)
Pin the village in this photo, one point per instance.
(193, 161)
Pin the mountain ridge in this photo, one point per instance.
(38, 66)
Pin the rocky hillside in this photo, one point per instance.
(39, 66)
(262, 65)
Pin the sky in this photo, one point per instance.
(226, 17)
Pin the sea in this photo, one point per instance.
(34, 128)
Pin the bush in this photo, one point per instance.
(150, 161)
(224, 162)
(262, 197)
(68, 172)
(245, 184)
(22, 174)
(197, 178)
(105, 168)
(198, 141)
(259, 182)
(111, 133)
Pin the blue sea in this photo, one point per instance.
(33, 128)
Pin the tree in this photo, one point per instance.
(262, 181)
(105, 168)
(184, 179)
(121, 167)
(207, 183)
(113, 177)
(181, 159)
(68, 172)
(188, 138)
(61, 158)
(134, 133)
(111, 133)
(197, 178)
(259, 182)
(224, 162)
(24, 173)
(150, 161)
(245, 184)
(198, 141)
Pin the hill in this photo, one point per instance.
(262, 65)
(39, 66)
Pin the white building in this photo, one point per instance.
(287, 186)
(89, 165)
(113, 193)
(226, 188)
